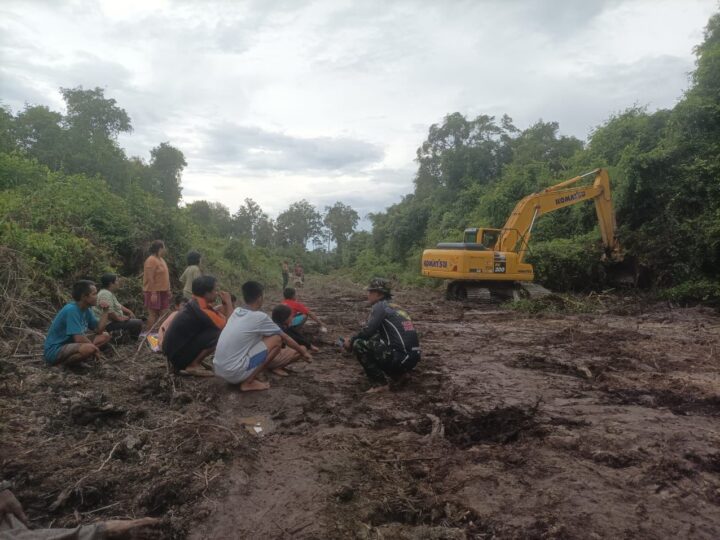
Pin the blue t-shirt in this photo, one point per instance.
(70, 321)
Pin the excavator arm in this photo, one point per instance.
(518, 228)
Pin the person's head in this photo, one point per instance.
(109, 282)
(84, 292)
(289, 293)
(282, 315)
(180, 300)
(378, 289)
(157, 248)
(193, 258)
(252, 292)
(205, 287)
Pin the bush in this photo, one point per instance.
(56, 254)
(568, 264)
(693, 292)
(18, 171)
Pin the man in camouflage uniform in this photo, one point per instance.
(388, 345)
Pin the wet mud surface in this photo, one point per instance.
(513, 426)
(600, 425)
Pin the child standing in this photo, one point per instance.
(191, 272)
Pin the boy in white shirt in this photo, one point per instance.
(251, 343)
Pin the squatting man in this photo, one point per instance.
(388, 344)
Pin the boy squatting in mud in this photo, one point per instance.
(388, 345)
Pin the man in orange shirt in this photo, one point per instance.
(195, 330)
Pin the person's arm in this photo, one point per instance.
(377, 315)
(103, 322)
(116, 318)
(314, 317)
(75, 326)
(128, 312)
(290, 342)
(150, 278)
(10, 505)
(227, 306)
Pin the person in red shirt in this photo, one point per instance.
(300, 312)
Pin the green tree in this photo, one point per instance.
(462, 151)
(92, 116)
(165, 175)
(92, 124)
(298, 224)
(39, 134)
(247, 220)
(341, 220)
(264, 233)
(212, 216)
(7, 130)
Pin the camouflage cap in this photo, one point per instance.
(379, 284)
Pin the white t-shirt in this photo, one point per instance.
(244, 330)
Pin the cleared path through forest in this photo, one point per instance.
(599, 425)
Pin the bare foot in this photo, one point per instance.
(118, 527)
(280, 372)
(254, 385)
(378, 389)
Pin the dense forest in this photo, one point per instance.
(665, 173)
(73, 204)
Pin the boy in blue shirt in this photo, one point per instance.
(66, 342)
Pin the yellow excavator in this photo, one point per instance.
(488, 265)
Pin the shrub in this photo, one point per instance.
(568, 264)
(692, 292)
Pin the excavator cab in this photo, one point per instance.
(486, 237)
(489, 238)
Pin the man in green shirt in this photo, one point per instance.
(191, 273)
(121, 319)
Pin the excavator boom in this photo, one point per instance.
(492, 261)
(529, 209)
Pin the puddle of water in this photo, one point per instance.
(256, 425)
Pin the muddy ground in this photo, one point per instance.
(595, 425)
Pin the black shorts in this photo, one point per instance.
(206, 339)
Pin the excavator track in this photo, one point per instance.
(533, 290)
(480, 295)
(491, 293)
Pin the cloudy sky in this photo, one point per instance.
(280, 100)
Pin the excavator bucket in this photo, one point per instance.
(626, 273)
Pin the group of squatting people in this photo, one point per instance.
(243, 340)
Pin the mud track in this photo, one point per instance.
(513, 426)
(584, 426)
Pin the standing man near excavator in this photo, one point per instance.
(388, 345)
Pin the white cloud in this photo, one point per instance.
(280, 100)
